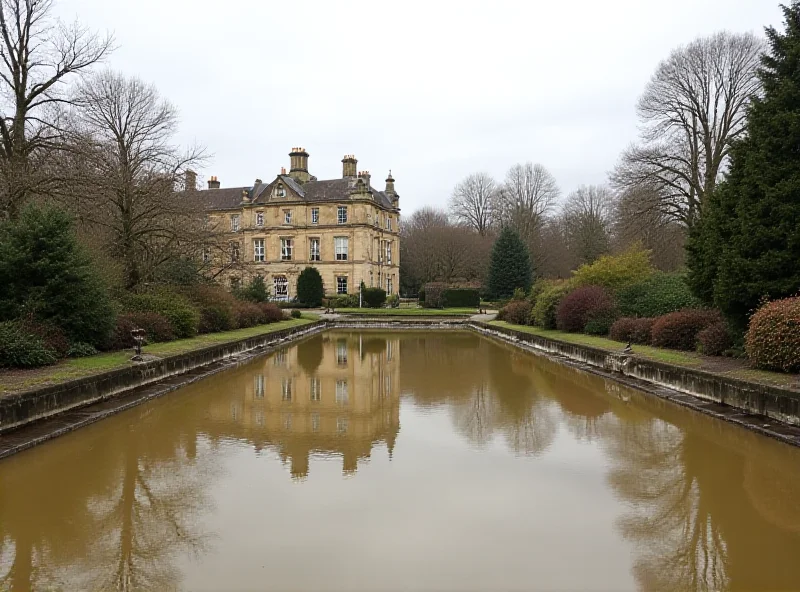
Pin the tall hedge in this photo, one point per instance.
(510, 266)
(461, 298)
(46, 274)
(657, 295)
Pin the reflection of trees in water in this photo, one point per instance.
(678, 537)
(115, 520)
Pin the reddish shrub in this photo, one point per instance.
(248, 314)
(52, 337)
(517, 312)
(271, 312)
(583, 305)
(678, 330)
(714, 339)
(632, 330)
(156, 326)
(773, 338)
(216, 306)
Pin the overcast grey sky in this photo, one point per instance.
(433, 90)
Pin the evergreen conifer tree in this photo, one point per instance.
(747, 245)
(510, 266)
(309, 287)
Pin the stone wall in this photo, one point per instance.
(23, 408)
(775, 403)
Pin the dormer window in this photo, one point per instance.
(280, 191)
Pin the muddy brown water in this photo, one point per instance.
(403, 461)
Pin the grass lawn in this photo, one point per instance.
(735, 368)
(17, 380)
(409, 312)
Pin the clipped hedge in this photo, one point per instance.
(461, 298)
(582, 305)
(615, 272)
(633, 330)
(373, 297)
(660, 294)
(772, 341)
(543, 313)
(679, 330)
(434, 295)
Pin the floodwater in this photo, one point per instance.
(403, 461)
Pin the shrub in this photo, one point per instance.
(22, 348)
(309, 287)
(81, 350)
(615, 272)
(517, 312)
(600, 324)
(52, 337)
(434, 293)
(714, 339)
(44, 271)
(182, 315)
(256, 290)
(660, 294)
(249, 314)
(393, 300)
(678, 330)
(421, 296)
(373, 297)
(216, 307)
(296, 314)
(271, 312)
(772, 341)
(633, 330)
(461, 297)
(582, 305)
(157, 328)
(543, 313)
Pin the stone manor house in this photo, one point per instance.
(345, 227)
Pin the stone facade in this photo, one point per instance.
(344, 227)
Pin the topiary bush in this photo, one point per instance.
(517, 312)
(183, 316)
(615, 272)
(543, 313)
(461, 298)
(271, 312)
(678, 330)
(660, 294)
(22, 348)
(310, 290)
(633, 330)
(714, 339)
(582, 305)
(296, 314)
(373, 297)
(772, 341)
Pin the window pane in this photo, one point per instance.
(342, 214)
(314, 215)
(341, 285)
(341, 244)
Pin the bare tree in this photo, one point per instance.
(691, 110)
(132, 170)
(638, 219)
(527, 195)
(588, 216)
(39, 56)
(472, 200)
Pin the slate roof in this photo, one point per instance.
(230, 198)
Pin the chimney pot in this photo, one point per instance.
(213, 182)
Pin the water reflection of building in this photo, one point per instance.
(337, 393)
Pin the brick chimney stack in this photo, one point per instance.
(349, 163)
(213, 182)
